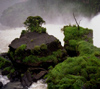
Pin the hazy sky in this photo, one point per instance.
(4, 4)
(14, 12)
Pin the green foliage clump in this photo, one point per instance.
(77, 72)
(20, 50)
(74, 73)
(32, 40)
(73, 36)
(23, 32)
(30, 59)
(55, 57)
(12, 70)
(7, 69)
(86, 48)
(3, 61)
(40, 30)
(36, 49)
(34, 24)
(72, 33)
(43, 47)
(22, 47)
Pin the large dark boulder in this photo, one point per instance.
(26, 79)
(30, 47)
(31, 39)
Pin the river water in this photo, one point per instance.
(6, 36)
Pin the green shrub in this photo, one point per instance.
(30, 59)
(36, 49)
(43, 47)
(32, 40)
(75, 72)
(86, 48)
(7, 69)
(3, 61)
(20, 50)
(73, 36)
(23, 32)
(40, 30)
(12, 70)
(43, 30)
(54, 57)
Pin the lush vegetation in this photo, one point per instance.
(73, 36)
(33, 56)
(24, 57)
(3, 62)
(77, 72)
(34, 24)
(55, 57)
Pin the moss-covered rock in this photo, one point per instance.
(73, 36)
(75, 73)
(36, 50)
(4, 63)
(81, 72)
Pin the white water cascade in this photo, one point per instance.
(4, 79)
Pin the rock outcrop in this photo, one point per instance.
(32, 54)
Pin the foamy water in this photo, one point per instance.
(38, 85)
(4, 79)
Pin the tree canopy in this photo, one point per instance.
(33, 22)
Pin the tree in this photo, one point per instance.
(33, 23)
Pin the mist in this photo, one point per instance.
(56, 14)
(53, 12)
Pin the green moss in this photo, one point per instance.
(20, 50)
(22, 75)
(54, 57)
(11, 54)
(7, 69)
(73, 36)
(74, 72)
(86, 48)
(43, 47)
(23, 32)
(12, 70)
(43, 30)
(36, 49)
(32, 40)
(3, 61)
(39, 29)
(30, 59)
